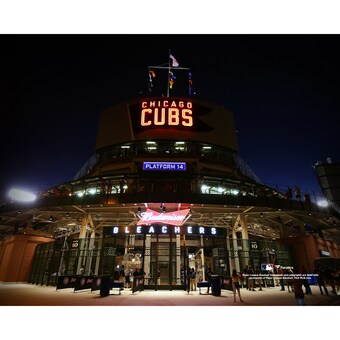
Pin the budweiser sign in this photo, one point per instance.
(175, 218)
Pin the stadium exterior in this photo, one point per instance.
(165, 190)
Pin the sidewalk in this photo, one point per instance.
(21, 294)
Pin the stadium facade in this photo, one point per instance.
(165, 190)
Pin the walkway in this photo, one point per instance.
(20, 294)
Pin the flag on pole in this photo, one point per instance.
(190, 84)
(174, 61)
(171, 79)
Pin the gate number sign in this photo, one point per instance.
(168, 166)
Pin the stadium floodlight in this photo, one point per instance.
(21, 195)
(322, 203)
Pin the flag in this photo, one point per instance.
(174, 61)
(171, 79)
(190, 84)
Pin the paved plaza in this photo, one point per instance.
(22, 294)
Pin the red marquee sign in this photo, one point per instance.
(175, 218)
(166, 113)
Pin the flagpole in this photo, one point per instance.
(168, 90)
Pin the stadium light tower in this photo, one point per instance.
(21, 195)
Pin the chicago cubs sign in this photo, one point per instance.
(166, 113)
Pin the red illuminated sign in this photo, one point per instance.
(175, 218)
(166, 113)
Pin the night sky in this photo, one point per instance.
(283, 90)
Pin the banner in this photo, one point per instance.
(83, 282)
(66, 281)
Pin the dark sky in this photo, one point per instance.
(283, 90)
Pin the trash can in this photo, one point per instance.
(215, 285)
(105, 286)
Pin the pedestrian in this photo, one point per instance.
(245, 277)
(192, 279)
(236, 285)
(122, 273)
(208, 274)
(158, 277)
(251, 279)
(321, 280)
(303, 273)
(298, 291)
(258, 277)
(134, 275)
(280, 273)
(200, 275)
(330, 278)
(290, 274)
(127, 274)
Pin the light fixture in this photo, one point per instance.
(310, 214)
(261, 215)
(21, 195)
(51, 218)
(322, 203)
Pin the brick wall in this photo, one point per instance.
(16, 257)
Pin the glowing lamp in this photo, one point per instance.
(21, 195)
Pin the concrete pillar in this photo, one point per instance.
(82, 233)
(235, 246)
(91, 249)
(231, 261)
(82, 243)
(147, 259)
(245, 237)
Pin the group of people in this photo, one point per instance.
(193, 276)
(250, 277)
(127, 275)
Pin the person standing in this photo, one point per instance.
(303, 273)
(122, 273)
(127, 273)
(208, 274)
(192, 279)
(236, 286)
(280, 273)
(158, 277)
(259, 280)
(251, 279)
(321, 280)
(298, 291)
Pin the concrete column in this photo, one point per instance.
(231, 261)
(82, 233)
(82, 243)
(235, 246)
(147, 259)
(90, 248)
(245, 237)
